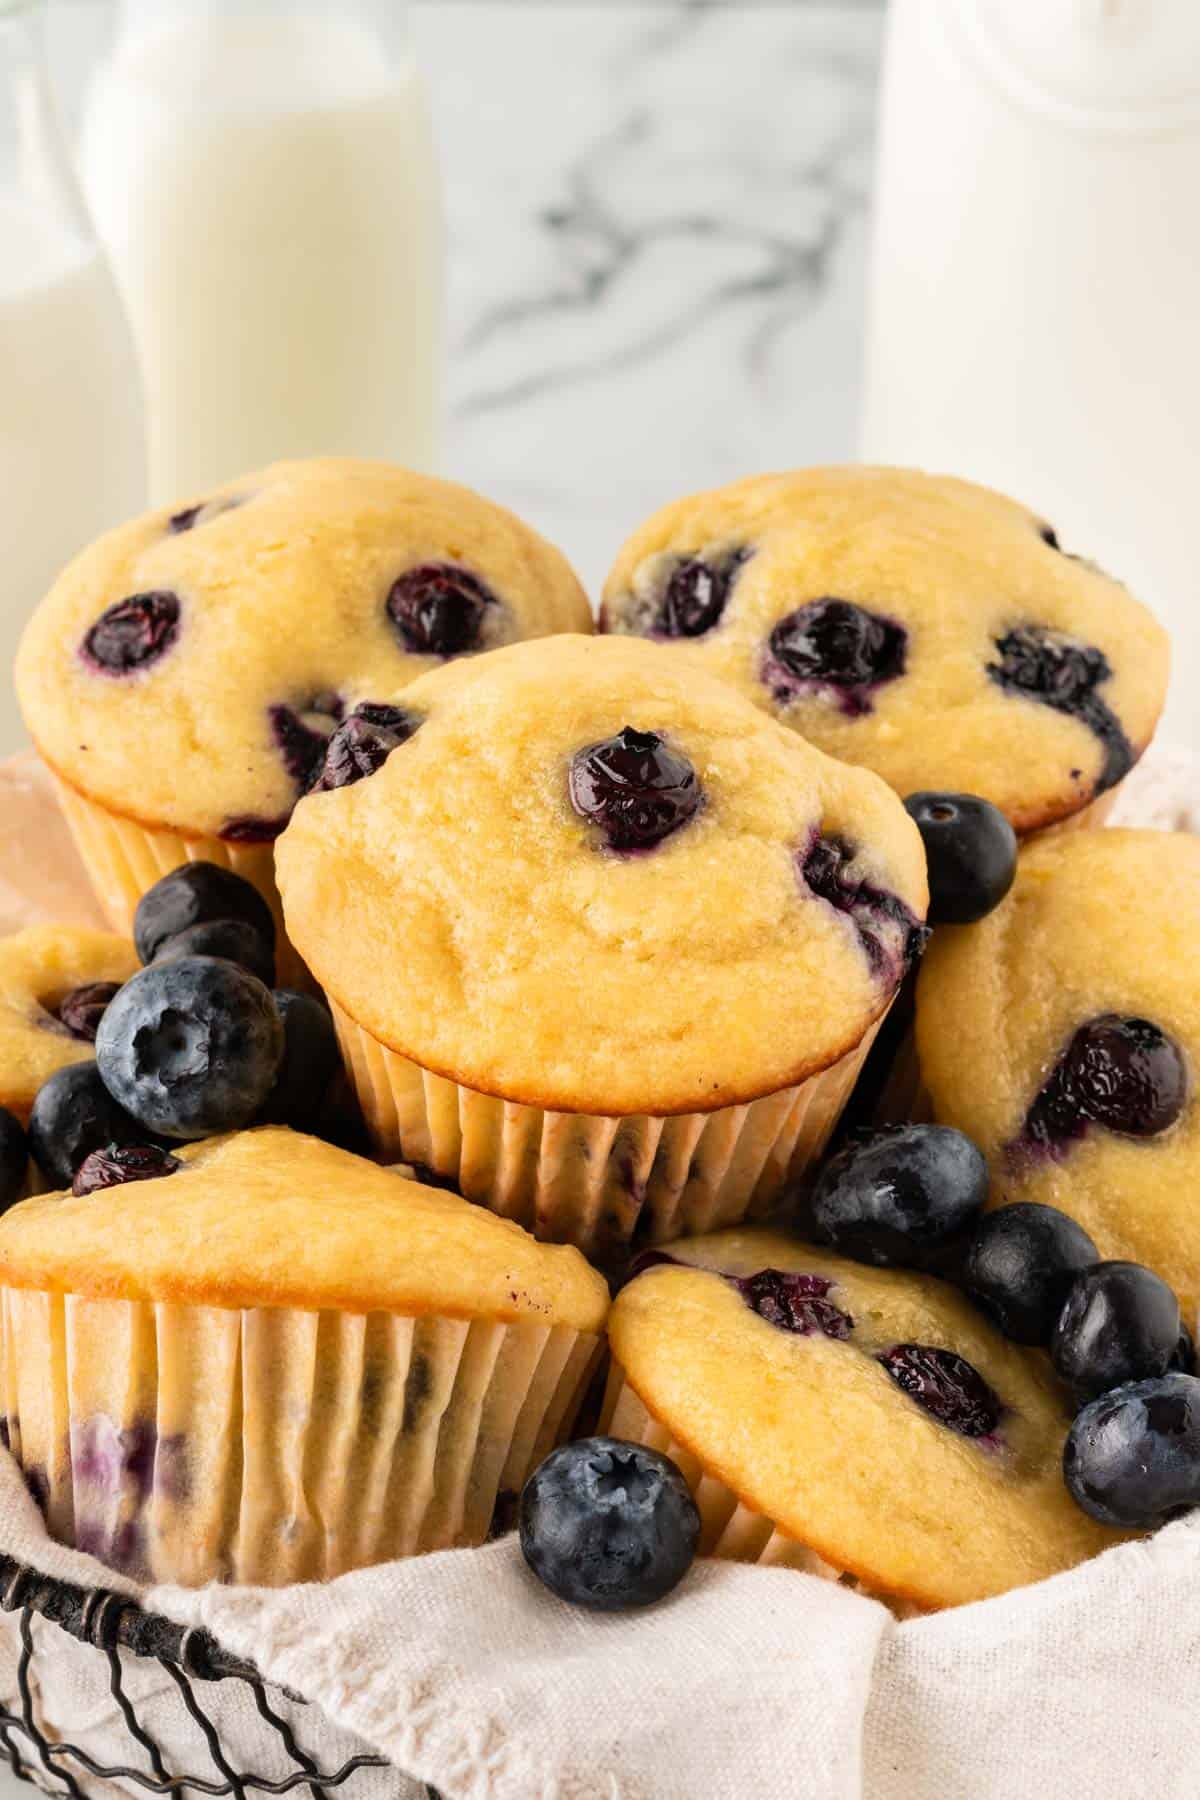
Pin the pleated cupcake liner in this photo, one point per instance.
(123, 859)
(730, 1530)
(598, 1183)
(192, 1443)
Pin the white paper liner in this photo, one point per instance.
(123, 859)
(191, 1443)
(729, 1529)
(597, 1182)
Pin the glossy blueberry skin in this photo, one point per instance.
(900, 1196)
(1120, 1323)
(119, 1163)
(132, 633)
(191, 1047)
(311, 1059)
(696, 594)
(83, 1008)
(789, 1301)
(1020, 1265)
(359, 746)
(14, 1158)
(971, 852)
(946, 1386)
(231, 939)
(196, 894)
(74, 1114)
(608, 1525)
(438, 609)
(635, 788)
(1132, 1457)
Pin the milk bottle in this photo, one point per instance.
(1036, 283)
(263, 177)
(72, 455)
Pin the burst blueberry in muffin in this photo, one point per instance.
(184, 675)
(926, 628)
(603, 943)
(1062, 1034)
(866, 1425)
(243, 1395)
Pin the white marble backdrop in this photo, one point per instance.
(657, 216)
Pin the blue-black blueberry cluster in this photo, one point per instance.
(913, 1196)
(197, 1042)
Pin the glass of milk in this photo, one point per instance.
(1036, 282)
(72, 450)
(263, 176)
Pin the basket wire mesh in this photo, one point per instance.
(112, 1624)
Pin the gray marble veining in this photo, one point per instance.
(657, 219)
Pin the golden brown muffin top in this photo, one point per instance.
(39, 968)
(460, 908)
(1067, 1017)
(924, 627)
(273, 1218)
(811, 1430)
(261, 616)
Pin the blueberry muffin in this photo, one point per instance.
(205, 1377)
(865, 1425)
(55, 983)
(1062, 1033)
(926, 628)
(184, 673)
(604, 944)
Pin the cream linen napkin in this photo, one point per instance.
(748, 1683)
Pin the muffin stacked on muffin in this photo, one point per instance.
(55, 983)
(204, 1377)
(1063, 1035)
(184, 675)
(603, 943)
(926, 628)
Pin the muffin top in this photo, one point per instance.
(1062, 1033)
(55, 981)
(924, 627)
(272, 1218)
(593, 880)
(871, 1414)
(187, 668)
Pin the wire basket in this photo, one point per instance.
(116, 1628)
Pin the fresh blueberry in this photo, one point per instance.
(191, 1047)
(361, 745)
(635, 788)
(14, 1159)
(1020, 1266)
(949, 1388)
(132, 633)
(310, 1061)
(835, 644)
(74, 1114)
(791, 1302)
(971, 850)
(1120, 1323)
(899, 1196)
(696, 593)
(439, 610)
(1123, 1073)
(83, 1008)
(1132, 1458)
(195, 894)
(1056, 671)
(233, 939)
(118, 1163)
(891, 935)
(608, 1525)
